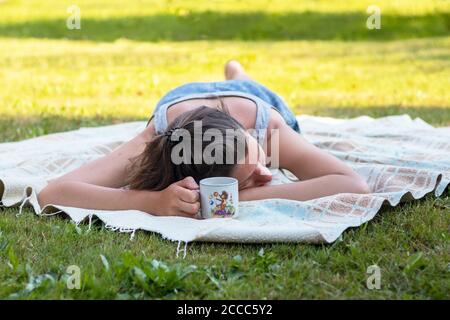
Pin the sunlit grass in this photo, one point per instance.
(126, 79)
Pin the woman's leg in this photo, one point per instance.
(235, 71)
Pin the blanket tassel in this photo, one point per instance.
(184, 249)
(22, 204)
(131, 231)
(50, 214)
(90, 221)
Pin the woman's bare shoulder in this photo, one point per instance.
(275, 128)
(276, 121)
(149, 132)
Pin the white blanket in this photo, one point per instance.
(401, 159)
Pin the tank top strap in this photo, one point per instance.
(262, 112)
(160, 118)
(262, 121)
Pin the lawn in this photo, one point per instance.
(317, 54)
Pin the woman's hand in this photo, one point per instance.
(246, 194)
(180, 199)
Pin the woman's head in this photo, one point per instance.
(201, 143)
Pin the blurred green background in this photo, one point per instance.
(318, 55)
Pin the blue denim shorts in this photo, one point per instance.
(245, 86)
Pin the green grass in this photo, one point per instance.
(317, 54)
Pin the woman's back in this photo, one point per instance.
(242, 109)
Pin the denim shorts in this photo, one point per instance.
(248, 87)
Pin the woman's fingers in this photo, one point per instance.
(182, 198)
(188, 215)
(188, 183)
(190, 196)
(190, 208)
(195, 216)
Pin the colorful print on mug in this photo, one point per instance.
(219, 197)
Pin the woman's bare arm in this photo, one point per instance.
(180, 198)
(110, 170)
(97, 185)
(89, 196)
(321, 174)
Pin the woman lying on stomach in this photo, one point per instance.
(232, 128)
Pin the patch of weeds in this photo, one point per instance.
(4, 243)
(105, 263)
(236, 267)
(441, 203)
(77, 229)
(157, 279)
(148, 277)
(24, 283)
(267, 262)
(221, 276)
(13, 261)
(36, 284)
(215, 276)
(414, 262)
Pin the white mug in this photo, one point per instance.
(219, 197)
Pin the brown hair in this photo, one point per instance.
(153, 169)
